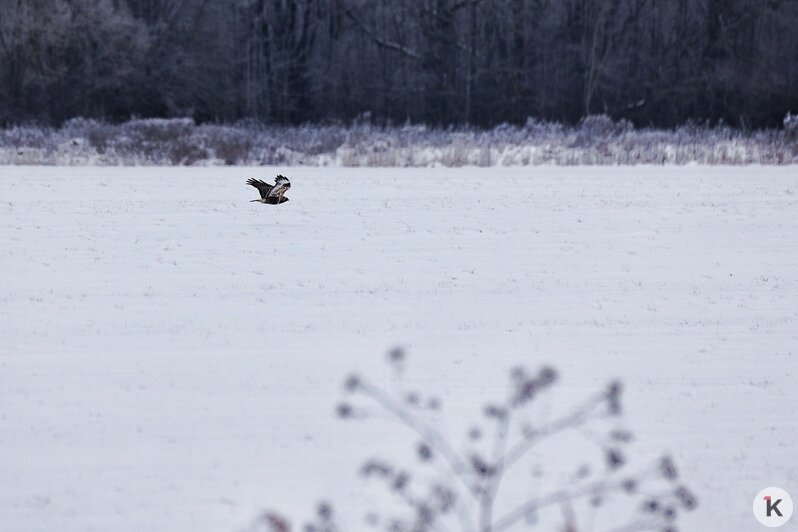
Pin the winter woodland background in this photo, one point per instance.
(702, 65)
(479, 62)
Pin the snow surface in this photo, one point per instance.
(172, 354)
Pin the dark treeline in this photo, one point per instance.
(654, 62)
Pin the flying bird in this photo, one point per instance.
(271, 194)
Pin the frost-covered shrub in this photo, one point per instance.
(158, 129)
(99, 135)
(791, 126)
(537, 129)
(595, 140)
(27, 137)
(227, 144)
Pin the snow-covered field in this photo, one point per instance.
(171, 354)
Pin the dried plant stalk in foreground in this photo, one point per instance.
(453, 489)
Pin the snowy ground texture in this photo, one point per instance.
(171, 354)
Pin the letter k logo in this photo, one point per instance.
(772, 506)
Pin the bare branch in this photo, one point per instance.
(455, 462)
(556, 497)
(382, 42)
(577, 417)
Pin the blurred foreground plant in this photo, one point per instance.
(453, 489)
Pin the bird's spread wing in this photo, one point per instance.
(263, 187)
(281, 185)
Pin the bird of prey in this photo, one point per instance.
(271, 194)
